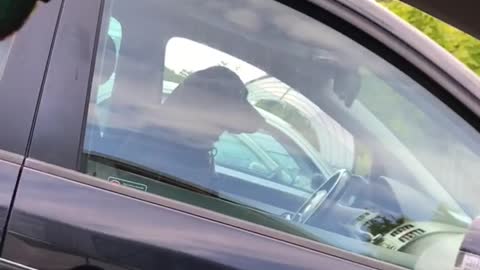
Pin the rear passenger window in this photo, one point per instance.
(253, 110)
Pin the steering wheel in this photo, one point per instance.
(324, 196)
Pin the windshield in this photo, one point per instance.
(425, 140)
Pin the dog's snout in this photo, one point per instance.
(248, 120)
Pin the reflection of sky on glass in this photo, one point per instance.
(299, 34)
(183, 54)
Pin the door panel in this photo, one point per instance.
(60, 224)
(23, 61)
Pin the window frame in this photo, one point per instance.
(61, 116)
(19, 96)
(67, 110)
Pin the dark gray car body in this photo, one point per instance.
(56, 218)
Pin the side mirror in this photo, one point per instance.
(13, 14)
(347, 83)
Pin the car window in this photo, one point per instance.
(5, 47)
(253, 110)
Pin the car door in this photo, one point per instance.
(22, 56)
(101, 190)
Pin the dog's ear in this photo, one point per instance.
(13, 14)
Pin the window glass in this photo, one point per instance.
(108, 64)
(253, 110)
(5, 47)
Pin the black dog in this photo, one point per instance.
(207, 104)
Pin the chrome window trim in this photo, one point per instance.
(15, 265)
(11, 157)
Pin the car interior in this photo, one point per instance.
(368, 209)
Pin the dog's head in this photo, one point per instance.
(216, 99)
